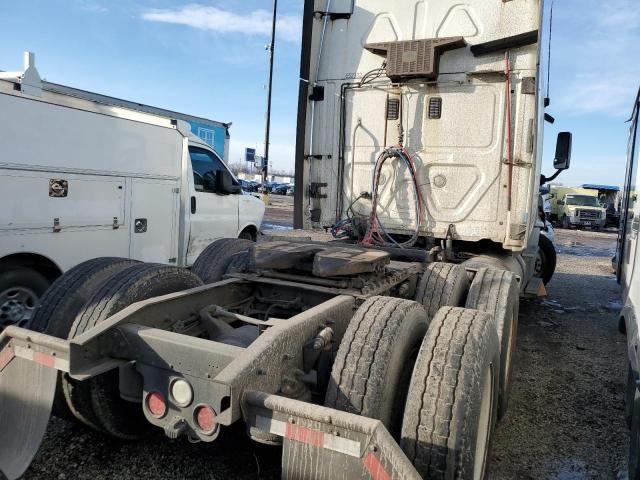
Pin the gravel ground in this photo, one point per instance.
(279, 213)
(566, 418)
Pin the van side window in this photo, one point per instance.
(204, 165)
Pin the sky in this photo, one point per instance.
(208, 58)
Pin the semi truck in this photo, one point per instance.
(574, 207)
(82, 179)
(384, 352)
(627, 259)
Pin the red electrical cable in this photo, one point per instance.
(509, 139)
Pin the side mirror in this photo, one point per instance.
(562, 159)
(225, 185)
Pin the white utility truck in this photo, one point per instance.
(628, 259)
(385, 352)
(80, 180)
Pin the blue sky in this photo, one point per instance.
(209, 59)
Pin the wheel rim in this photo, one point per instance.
(484, 425)
(17, 305)
(538, 269)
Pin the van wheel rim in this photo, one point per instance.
(538, 269)
(17, 305)
(484, 425)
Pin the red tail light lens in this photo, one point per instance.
(156, 404)
(206, 419)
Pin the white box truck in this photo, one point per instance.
(80, 179)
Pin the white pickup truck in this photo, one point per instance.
(80, 180)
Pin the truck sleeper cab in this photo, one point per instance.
(383, 353)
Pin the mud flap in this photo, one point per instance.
(322, 443)
(27, 387)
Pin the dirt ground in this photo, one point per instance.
(566, 417)
(566, 413)
(279, 213)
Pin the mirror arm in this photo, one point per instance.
(544, 179)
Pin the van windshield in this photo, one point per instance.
(583, 200)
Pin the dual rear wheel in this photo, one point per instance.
(93, 291)
(79, 300)
(430, 370)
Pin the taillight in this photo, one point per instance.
(156, 404)
(205, 418)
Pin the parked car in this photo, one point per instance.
(103, 181)
(249, 185)
(282, 189)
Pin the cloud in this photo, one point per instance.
(214, 19)
(621, 14)
(91, 7)
(593, 64)
(593, 93)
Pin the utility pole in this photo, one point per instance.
(265, 165)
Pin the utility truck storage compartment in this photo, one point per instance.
(31, 201)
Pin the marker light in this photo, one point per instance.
(156, 404)
(181, 392)
(205, 418)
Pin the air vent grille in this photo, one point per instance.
(415, 58)
(393, 109)
(435, 108)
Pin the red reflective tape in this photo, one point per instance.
(44, 359)
(6, 356)
(375, 468)
(304, 435)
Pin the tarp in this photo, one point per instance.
(601, 187)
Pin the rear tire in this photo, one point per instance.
(442, 284)
(371, 373)
(62, 302)
(451, 407)
(497, 292)
(212, 263)
(20, 291)
(120, 418)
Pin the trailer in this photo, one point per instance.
(385, 352)
(625, 261)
